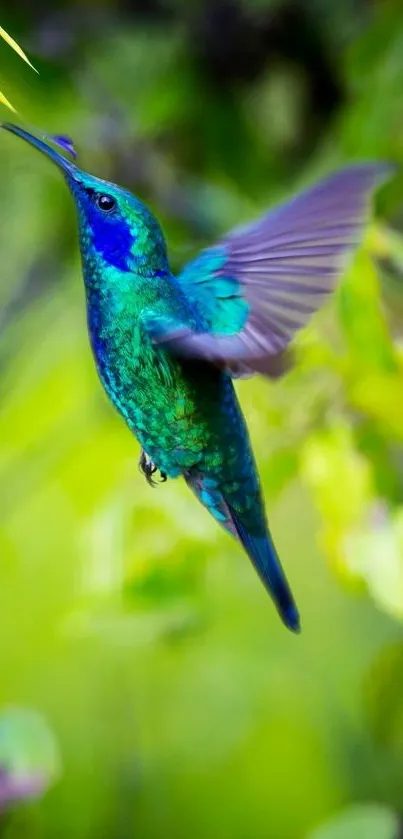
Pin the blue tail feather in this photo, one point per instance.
(262, 552)
(258, 544)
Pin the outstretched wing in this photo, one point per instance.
(262, 283)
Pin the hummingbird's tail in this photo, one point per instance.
(254, 537)
(261, 551)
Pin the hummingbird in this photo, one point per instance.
(167, 348)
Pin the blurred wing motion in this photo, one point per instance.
(262, 283)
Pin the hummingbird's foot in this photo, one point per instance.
(148, 468)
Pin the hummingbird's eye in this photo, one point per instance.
(106, 203)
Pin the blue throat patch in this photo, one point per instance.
(113, 239)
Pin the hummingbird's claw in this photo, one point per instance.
(148, 469)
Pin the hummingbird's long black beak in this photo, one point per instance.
(62, 162)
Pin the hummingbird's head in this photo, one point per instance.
(116, 229)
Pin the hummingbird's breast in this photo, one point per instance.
(169, 406)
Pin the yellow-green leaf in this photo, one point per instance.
(16, 47)
(5, 101)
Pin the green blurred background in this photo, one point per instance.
(180, 705)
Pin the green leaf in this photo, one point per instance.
(330, 460)
(362, 318)
(5, 101)
(383, 698)
(373, 550)
(16, 47)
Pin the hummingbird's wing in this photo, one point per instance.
(263, 282)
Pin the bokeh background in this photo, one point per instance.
(178, 704)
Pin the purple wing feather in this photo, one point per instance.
(286, 265)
